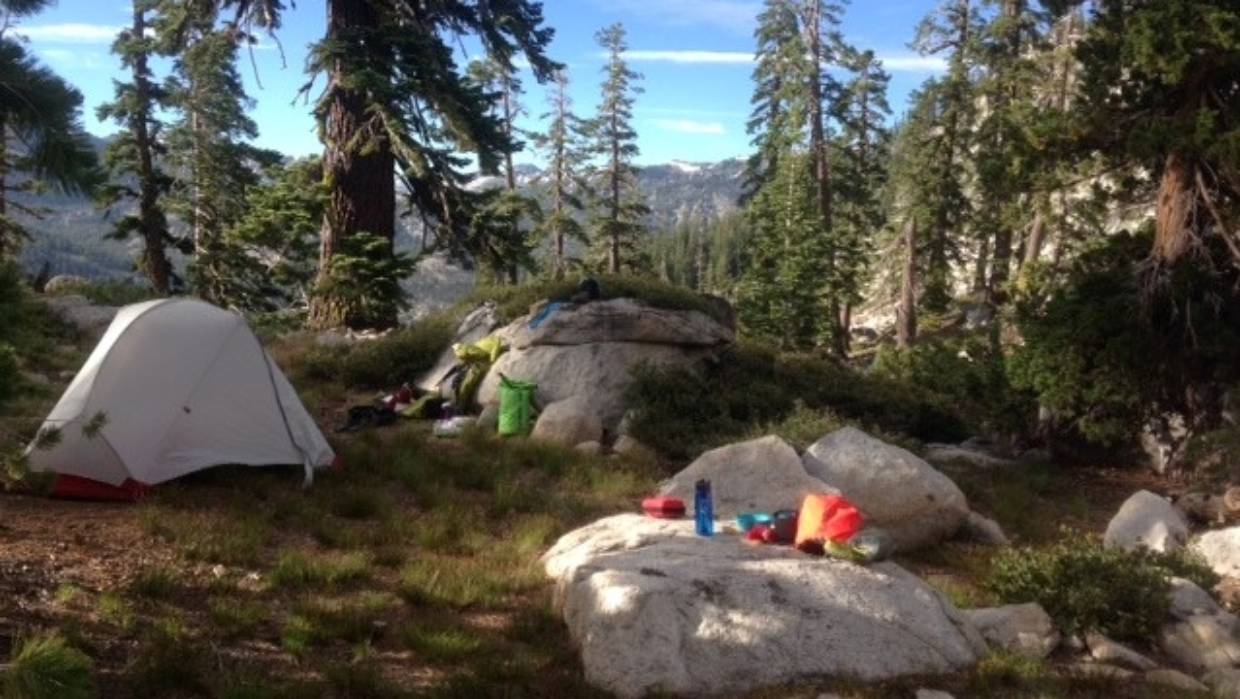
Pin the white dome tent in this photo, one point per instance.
(176, 386)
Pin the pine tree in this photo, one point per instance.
(212, 165)
(861, 111)
(619, 209)
(133, 155)
(778, 297)
(820, 22)
(395, 95)
(1158, 92)
(562, 147)
(41, 136)
(944, 114)
(778, 97)
(267, 258)
(502, 222)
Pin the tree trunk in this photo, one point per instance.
(980, 266)
(4, 189)
(613, 255)
(822, 166)
(1037, 238)
(150, 219)
(1176, 208)
(359, 171)
(906, 311)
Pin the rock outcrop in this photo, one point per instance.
(591, 350)
(761, 475)
(654, 607)
(1146, 520)
(84, 316)
(893, 488)
(480, 322)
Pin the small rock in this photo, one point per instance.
(633, 449)
(1147, 520)
(63, 282)
(568, 422)
(924, 693)
(218, 570)
(1174, 679)
(1104, 650)
(1024, 629)
(1220, 549)
(1224, 681)
(964, 456)
(983, 530)
(1187, 600)
(1095, 670)
(1202, 642)
(589, 448)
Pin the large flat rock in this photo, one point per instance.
(655, 608)
(618, 320)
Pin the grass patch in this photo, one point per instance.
(233, 617)
(480, 581)
(155, 582)
(399, 356)
(319, 621)
(116, 611)
(229, 537)
(443, 646)
(46, 667)
(296, 570)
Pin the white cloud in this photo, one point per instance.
(709, 128)
(70, 33)
(67, 58)
(716, 57)
(913, 63)
(731, 15)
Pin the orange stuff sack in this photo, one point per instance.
(826, 518)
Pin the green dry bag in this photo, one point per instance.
(516, 406)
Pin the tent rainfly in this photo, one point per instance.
(175, 386)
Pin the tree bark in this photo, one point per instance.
(150, 218)
(980, 267)
(358, 169)
(1037, 238)
(906, 311)
(1176, 208)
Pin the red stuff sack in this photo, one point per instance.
(664, 507)
(826, 518)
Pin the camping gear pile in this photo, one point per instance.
(825, 524)
(173, 387)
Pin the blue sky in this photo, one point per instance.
(695, 56)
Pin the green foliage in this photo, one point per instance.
(296, 570)
(562, 145)
(970, 374)
(396, 358)
(42, 140)
(705, 256)
(681, 413)
(363, 278)
(10, 375)
(46, 667)
(1104, 356)
(1086, 586)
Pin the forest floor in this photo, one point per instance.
(414, 571)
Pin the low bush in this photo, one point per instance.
(680, 412)
(1086, 586)
(46, 667)
(515, 301)
(401, 356)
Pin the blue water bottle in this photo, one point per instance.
(703, 508)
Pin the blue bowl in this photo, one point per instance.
(749, 520)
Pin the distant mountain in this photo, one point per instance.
(69, 238)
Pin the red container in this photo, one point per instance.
(663, 507)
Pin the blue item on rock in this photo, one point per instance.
(703, 508)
